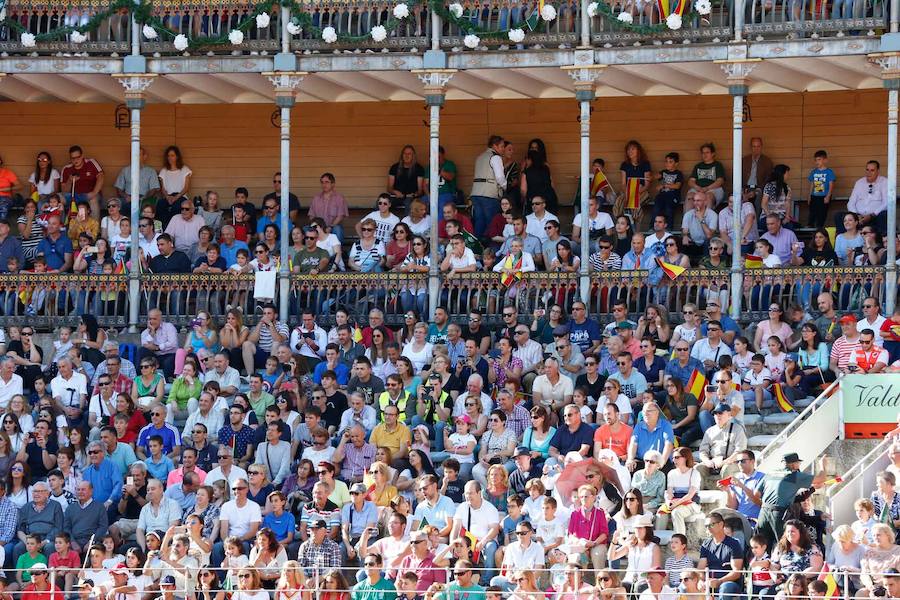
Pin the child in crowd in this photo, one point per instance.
(580, 398)
(62, 344)
(158, 464)
(557, 560)
(514, 517)
(111, 559)
(821, 180)
(149, 212)
(65, 560)
(533, 505)
(234, 561)
(755, 387)
(272, 376)
(34, 299)
(679, 561)
(461, 445)
(31, 557)
(865, 520)
(670, 181)
(53, 207)
(775, 358)
(551, 527)
(450, 483)
(763, 580)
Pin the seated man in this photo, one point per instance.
(722, 444)
(159, 340)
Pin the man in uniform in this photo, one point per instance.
(778, 491)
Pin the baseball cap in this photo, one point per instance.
(522, 451)
(464, 418)
(848, 318)
(320, 524)
(791, 356)
(625, 325)
(721, 408)
(167, 580)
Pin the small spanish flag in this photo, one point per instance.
(633, 193)
(598, 183)
(121, 269)
(357, 334)
(834, 480)
(752, 261)
(828, 577)
(673, 271)
(781, 398)
(24, 295)
(696, 385)
(73, 210)
(476, 554)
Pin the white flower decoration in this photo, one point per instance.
(548, 13)
(625, 17)
(294, 28)
(456, 9)
(262, 20)
(28, 40)
(77, 37)
(673, 21)
(329, 35)
(149, 32)
(471, 41)
(401, 11)
(379, 33)
(516, 35)
(236, 37)
(592, 9)
(704, 7)
(181, 42)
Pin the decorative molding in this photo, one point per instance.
(434, 80)
(285, 82)
(135, 85)
(584, 76)
(737, 71)
(889, 62)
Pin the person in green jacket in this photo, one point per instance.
(185, 391)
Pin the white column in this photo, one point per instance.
(890, 74)
(286, 84)
(135, 85)
(585, 77)
(435, 83)
(736, 72)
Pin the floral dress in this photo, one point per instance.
(795, 562)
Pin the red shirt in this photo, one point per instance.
(122, 385)
(87, 176)
(31, 593)
(135, 424)
(70, 561)
(465, 221)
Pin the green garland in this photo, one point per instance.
(143, 14)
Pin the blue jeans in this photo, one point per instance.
(730, 590)
(5, 204)
(338, 231)
(706, 420)
(417, 301)
(484, 209)
(488, 553)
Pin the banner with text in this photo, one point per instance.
(870, 404)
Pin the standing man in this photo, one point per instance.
(330, 206)
(488, 184)
(778, 491)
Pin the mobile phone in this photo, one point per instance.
(711, 389)
(91, 250)
(494, 354)
(129, 481)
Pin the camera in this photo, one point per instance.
(196, 323)
(428, 389)
(879, 591)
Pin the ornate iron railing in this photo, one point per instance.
(354, 20)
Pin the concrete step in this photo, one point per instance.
(758, 442)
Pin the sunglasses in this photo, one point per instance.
(89, 452)
(244, 576)
(368, 229)
(371, 564)
(237, 488)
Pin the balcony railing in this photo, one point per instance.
(356, 19)
(50, 300)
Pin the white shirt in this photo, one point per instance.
(149, 246)
(875, 327)
(601, 222)
(479, 521)
(173, 181)
(45, 187)
(703, 350)
(367, 419)
(298, 344)
(421, 228)
(98, 408)
(217, 475)
(240, 518)
(517, 557)
(496, 163)
(866, 200)
(535, 225)
(622, 402)
(653, 239)
(230, 378)
(8, 389)
(384, 226)
(666, 593)
(59, 388)
(467, 259)
(551, 393)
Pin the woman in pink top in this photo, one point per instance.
(330, 206)
(588, 523)
(399, 246)
(772, 326)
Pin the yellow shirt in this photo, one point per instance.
(393, 441)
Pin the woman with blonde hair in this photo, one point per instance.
(383, 491)
(846, 554)
(884, 555)
(609, 586)
(249, 587)
(526, 586)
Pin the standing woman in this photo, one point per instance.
(45, 179)
(636, 166)
(175, 176)
(537, 181)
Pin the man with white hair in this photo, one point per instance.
(474, 390)
(69, 390)
(10, 383)
(41, 518)
(158, 513)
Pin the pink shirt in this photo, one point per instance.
(425, 569)
(328, 210)
(588, 527)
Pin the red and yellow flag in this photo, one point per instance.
(507, 279)
(781, 398)
(673, 271)
(463, 532)
(668, 7)
(828, 577)
(696, 385)
(751, 261)
(121, 269)
(598, 183)
(834, 480)
(633, 193)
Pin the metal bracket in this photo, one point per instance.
(135, 85)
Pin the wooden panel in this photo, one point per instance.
(237, 145)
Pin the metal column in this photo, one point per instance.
(584, 100)
(284, 289)
(435, 101)
(737, 142)
(891, 266)
(134, 282)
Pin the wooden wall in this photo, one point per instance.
(236, 145)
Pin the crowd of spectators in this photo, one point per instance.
(438, 459)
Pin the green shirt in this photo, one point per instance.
(26, 562)
(454, 591)
(259, 405)
(383, 590)
(780, 487)
(305, 261)
(706, 174)
(445, 186)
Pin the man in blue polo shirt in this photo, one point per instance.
(576, 436)
(584, 332)
(722, 556)
(56, 248)
(654, 432)
(436, 509)
(103, 475)
(229, 246)
(158, 426)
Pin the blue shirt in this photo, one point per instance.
(718, 556)
(265, 220)
(565, 441)
(359, 519)
(728, 324)
(820, 178)
(342, 372)
(630, 260)
(185, 501)
(169, 435)
(123, 456)
(683, 374)
(230, 253)
(437, 515)
(652, 440)
(106, 480)
(161, 469)
(745, 506)
(280, 526)
(585, 334)
(55, 252)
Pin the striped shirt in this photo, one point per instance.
(842, 350)
(674, 567)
